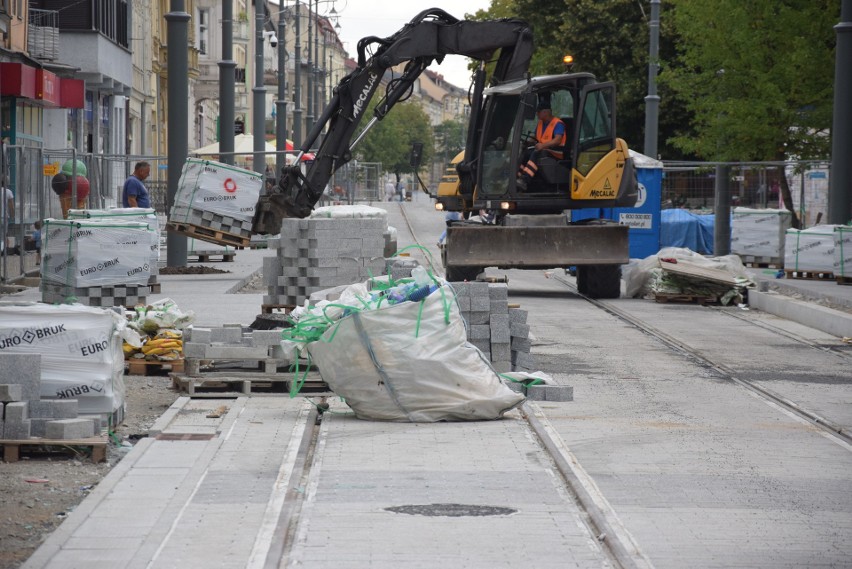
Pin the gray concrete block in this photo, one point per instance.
(98, 421)
(194, 350)
(516, 386)
(54, 409)
(502, 366)
(66, 429)
(517, 316)
(521, 344)
(464, 303)
(479, 332)
(537, 392)
(518, 330)
(500, 351)
(227, 334)
(524, 361)
(479, 317)
(23, 370)
(10, 392)
(479, 302)
(2, 428)
(559, 393)
(16, 431)
(198, 335)
(265, 338)
(17, 412)
(498, 292)
(499, 328)
(38, 427)
(223, 352)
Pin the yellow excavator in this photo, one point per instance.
(530, 228)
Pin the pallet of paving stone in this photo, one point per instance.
(138, 366)
(208, 234)
(97, 446)
(809, 275)
(206, 256)
(663, 298)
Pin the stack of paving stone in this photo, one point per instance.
(233, 342)
(96, 263)
(320, 253)
(140, 214)
(215, 202)
(25, 415)
(501, 333)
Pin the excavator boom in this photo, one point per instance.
(428, 37)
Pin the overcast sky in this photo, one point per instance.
(362, 18)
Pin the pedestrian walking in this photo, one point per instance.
(134, 193)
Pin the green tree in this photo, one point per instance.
(450, 137)
(757, 76)
(608, 38)
(390, 140)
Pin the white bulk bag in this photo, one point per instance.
(411, 362)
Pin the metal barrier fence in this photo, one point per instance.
(757, 185)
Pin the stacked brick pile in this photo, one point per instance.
(233, 342)
(319, 253)
(501, 333)
(23, 414)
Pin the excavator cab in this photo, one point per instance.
(592, 169)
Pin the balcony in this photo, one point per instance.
(43, 34)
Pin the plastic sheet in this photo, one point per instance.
(218, 188)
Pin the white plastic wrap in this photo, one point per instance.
(811, 249)
(843, 252)
(218, 188)
(146, 215)
(759, 232)
(80, 348)
(349, 211)
(87, 253)
(411, 362)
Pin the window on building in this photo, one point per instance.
(203, 31)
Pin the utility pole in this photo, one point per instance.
(177, 24)
(297, 111)
(227, 85)
(310, 125)
(840, 181)
(259, 94)
(652, 101)
(281, 102)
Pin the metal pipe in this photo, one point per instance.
(227, 84)
(177, 22)
(258, 93)
(840, 182)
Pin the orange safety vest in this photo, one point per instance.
(547, 135)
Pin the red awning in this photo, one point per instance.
(42, 86)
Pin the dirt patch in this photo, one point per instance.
(40, 490)
(191, 270)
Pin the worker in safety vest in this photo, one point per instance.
(550, 140)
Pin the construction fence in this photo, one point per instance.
(758, 185)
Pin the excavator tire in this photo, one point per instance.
(599, 281)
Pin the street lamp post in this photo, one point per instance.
(281, 102)
(297, 111)
(259, 94)
(310, 117)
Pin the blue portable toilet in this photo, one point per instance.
(644, 219)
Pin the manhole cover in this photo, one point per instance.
(451, 510)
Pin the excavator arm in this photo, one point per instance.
(428, 37)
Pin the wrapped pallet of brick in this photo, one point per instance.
(99, 263)
(337, 245)
(141, 214)
(758, 235)
(80, 349)
(215, 202)
(843, 253)
(810, 250)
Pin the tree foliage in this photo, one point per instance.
(390, 140)
(608, 38)
(757, 76)
(450, 136)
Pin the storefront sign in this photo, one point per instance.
(47, 88)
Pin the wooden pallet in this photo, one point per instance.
(270, 308)
(205, 256)
(685, 299)
(762, 262)
(156, 288)
(809, 275)
(136, 366)
(236, 385)
(12, 448)
(208, 234)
